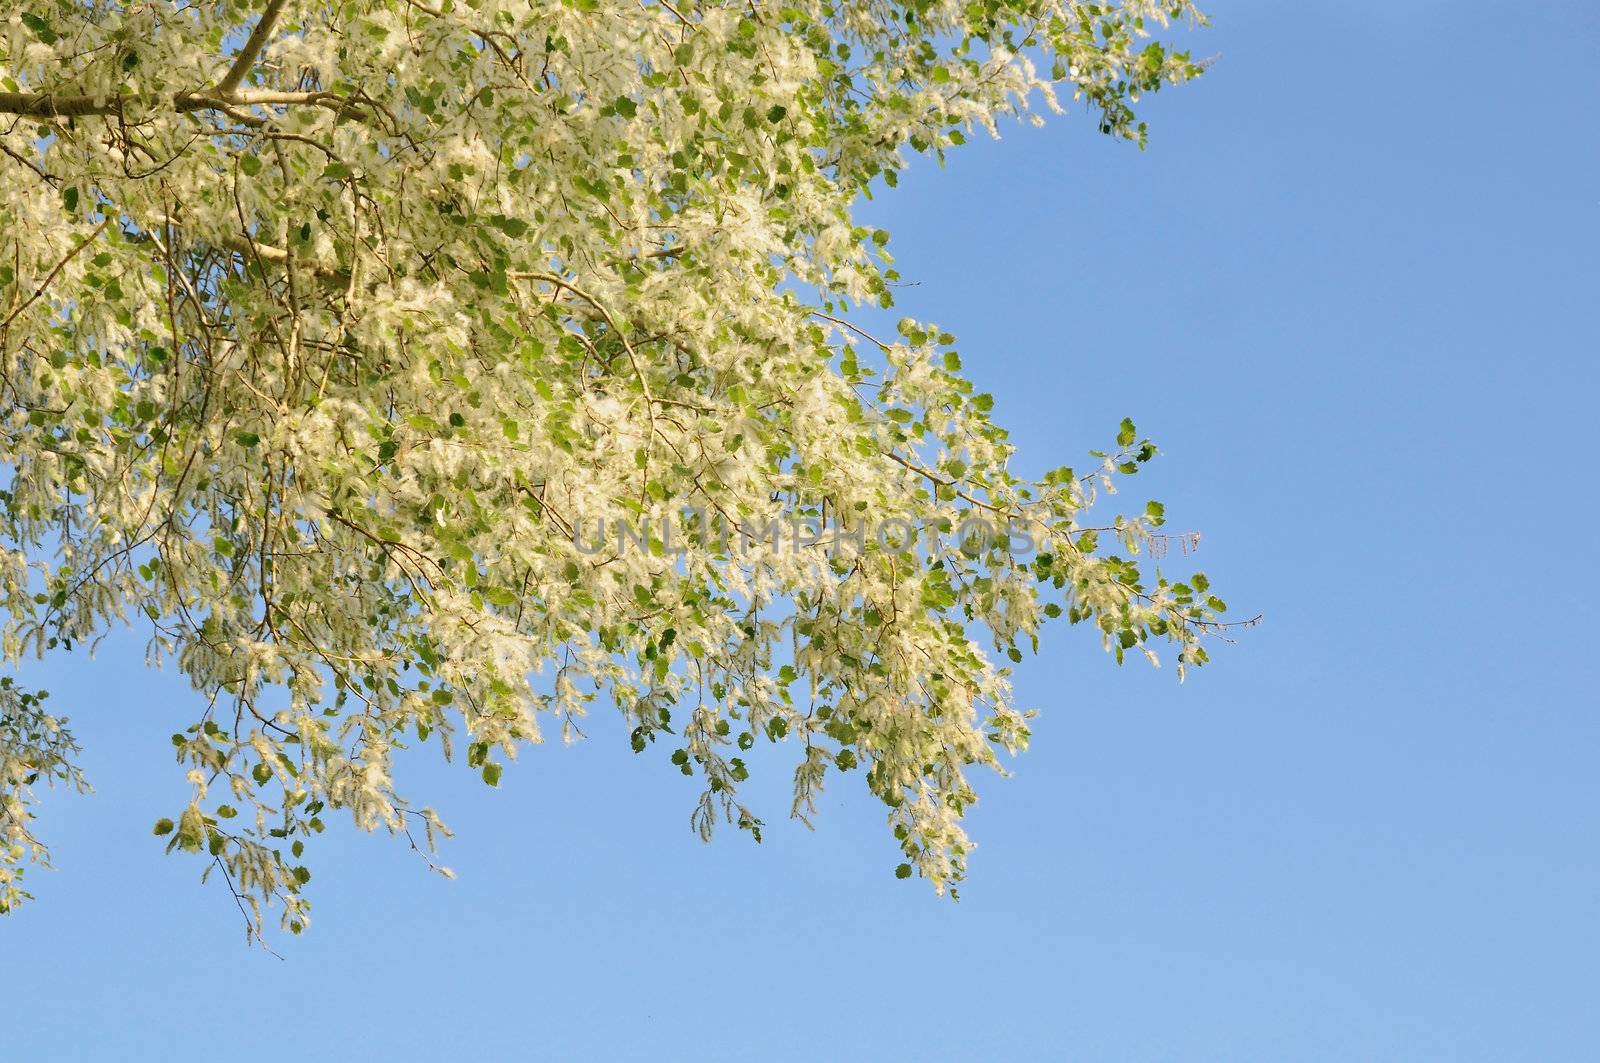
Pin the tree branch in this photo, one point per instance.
(85, 242)
(47, 105)
(252, 48)
(43, 105)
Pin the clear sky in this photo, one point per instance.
(1351, 290)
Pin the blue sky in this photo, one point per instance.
(1350, 288)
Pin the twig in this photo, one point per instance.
(6, 324)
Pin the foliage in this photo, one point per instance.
(34, 746)
(327, 328)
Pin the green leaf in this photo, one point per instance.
(1127, 434)
(512, 227)
(39, 26)
(163, 826)
(903, 871)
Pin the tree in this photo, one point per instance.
(424, 370)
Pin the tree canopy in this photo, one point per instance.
(425, 371)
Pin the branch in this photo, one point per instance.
(252, 48)
(41, 105)
(47, 105)
(262, 253)
(87, 240)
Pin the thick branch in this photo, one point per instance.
(46, 105)
(42, 105)
(252, 48)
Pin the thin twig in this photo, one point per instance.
(98, 229)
